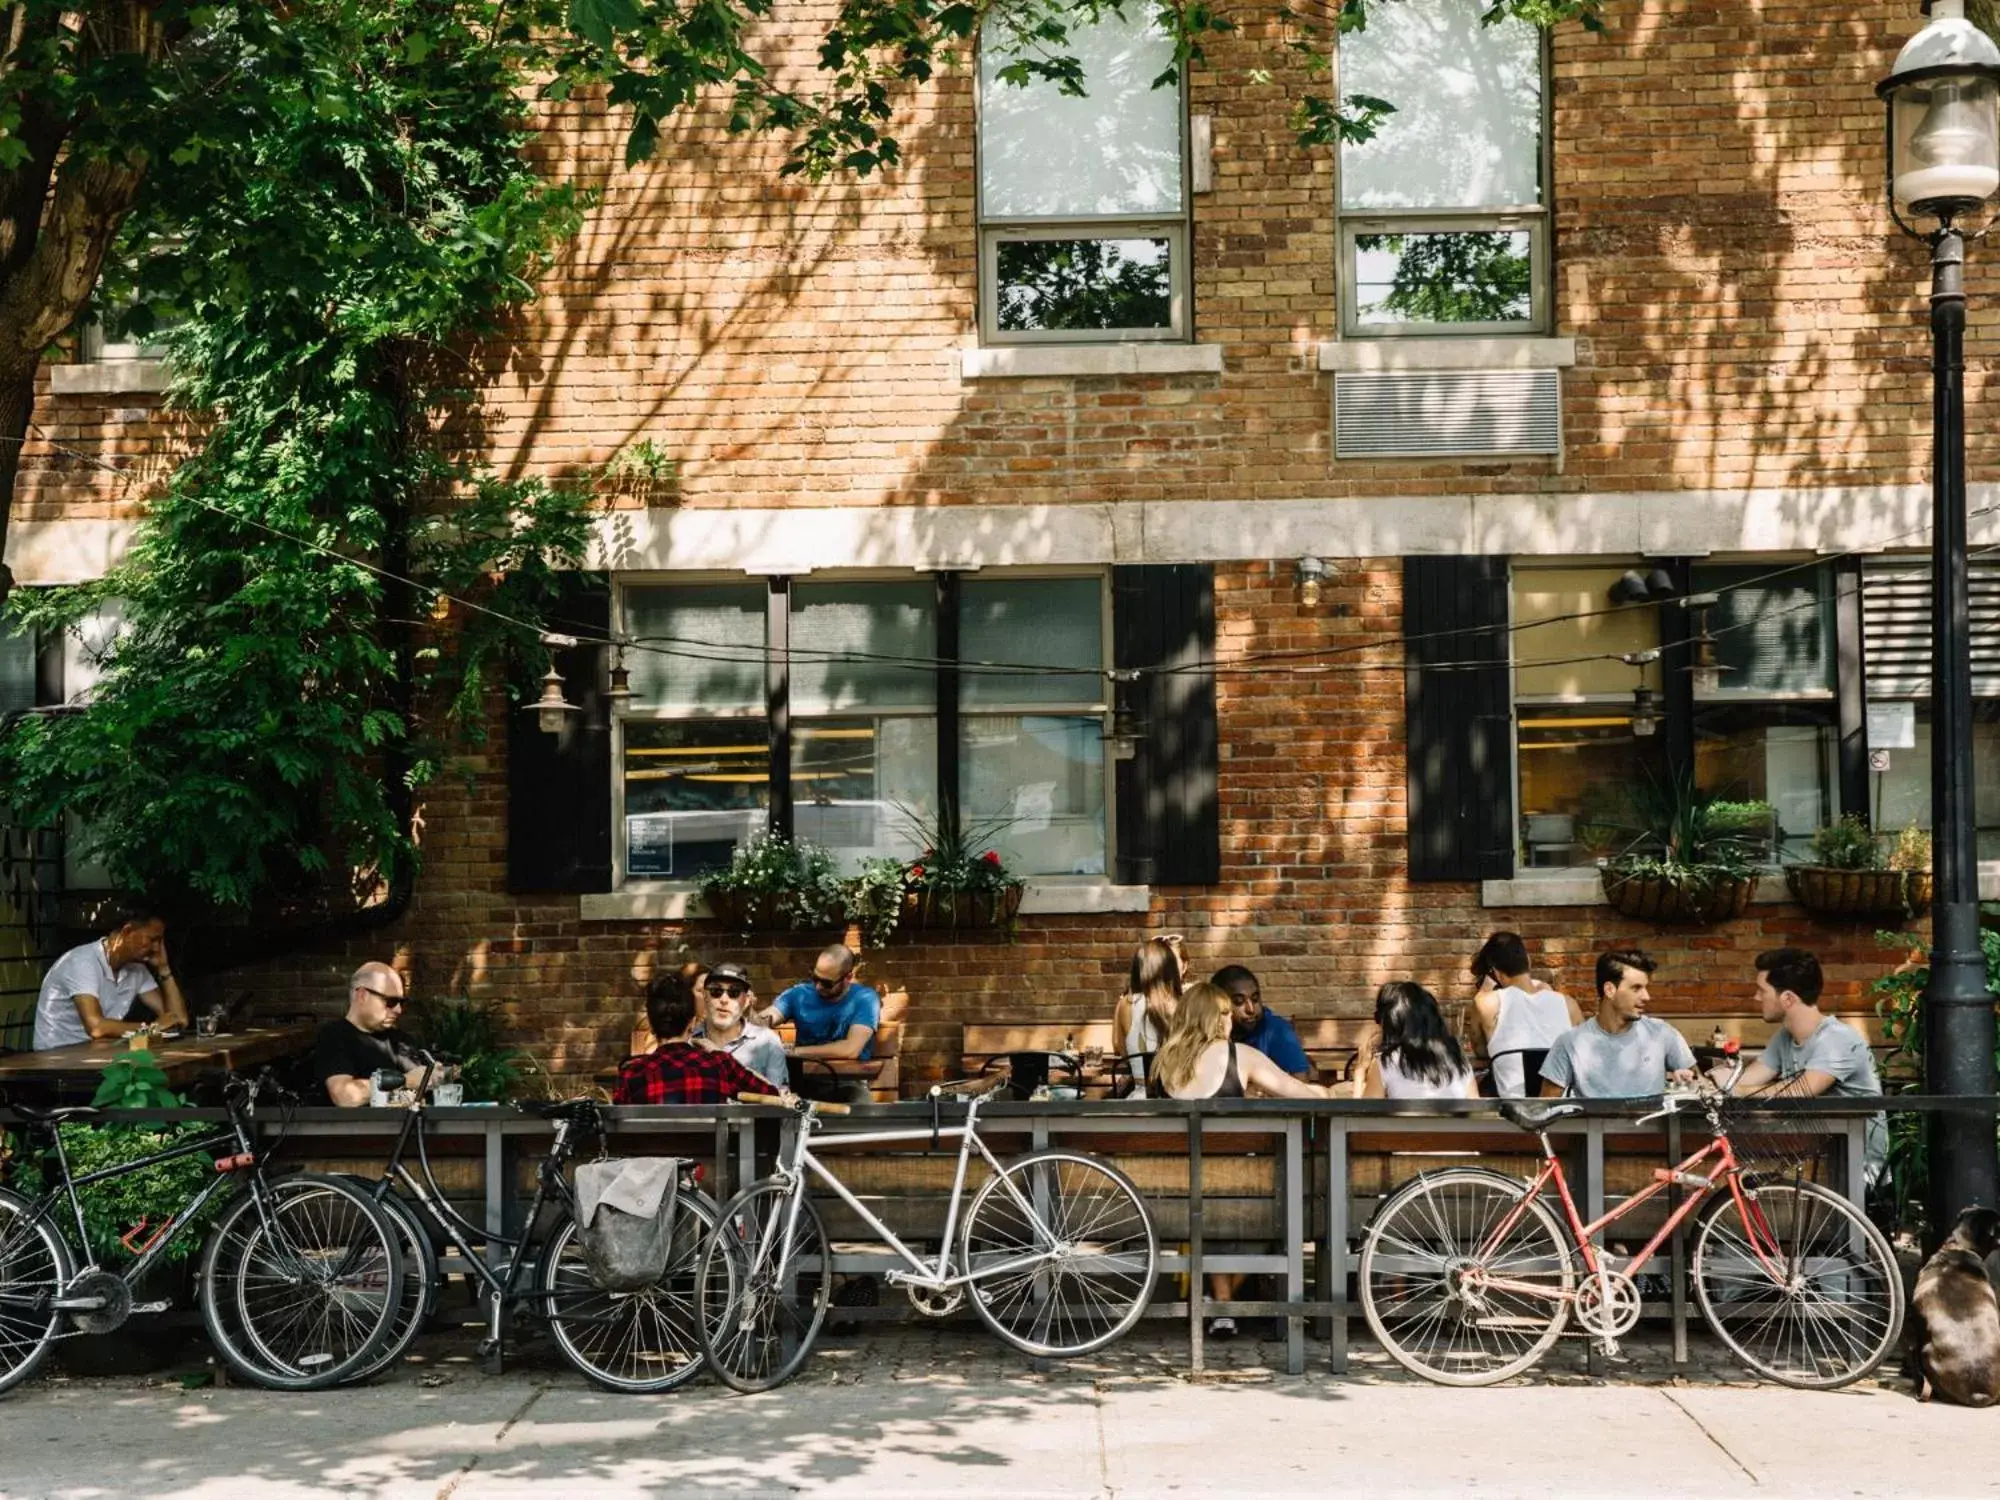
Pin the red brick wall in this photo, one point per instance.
(1313, 894)
(1747, 316)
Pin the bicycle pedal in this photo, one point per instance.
(152, 1307)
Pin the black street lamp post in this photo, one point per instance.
(1944, 164)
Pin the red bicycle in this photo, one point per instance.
(1467, 1278)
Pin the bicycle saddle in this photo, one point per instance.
(1538, 1114)
(36, 1115)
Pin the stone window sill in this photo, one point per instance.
(1583, 887)
(663, 901)
(1359, 356)
(110, 377)
(1023, 361)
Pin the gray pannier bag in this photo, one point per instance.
(625, 1210)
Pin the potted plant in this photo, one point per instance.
(1850, 875)
(1693, 863)
(474, 1037)
(960, 882)
(773, 883)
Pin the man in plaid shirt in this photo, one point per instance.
(680, 1070)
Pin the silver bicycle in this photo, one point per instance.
(1056, 1253)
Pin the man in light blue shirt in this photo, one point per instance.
(1811, 1053)
(834, 1019)
(1621, 1052)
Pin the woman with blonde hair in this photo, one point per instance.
(1145, 1011)
(1199, 1061)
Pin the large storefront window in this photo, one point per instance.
(860, 682)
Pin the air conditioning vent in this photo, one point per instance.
(1896, 626)
(1439, 413)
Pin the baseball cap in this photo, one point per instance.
(730, 971)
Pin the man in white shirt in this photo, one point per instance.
(728, 1000)
(110, 988)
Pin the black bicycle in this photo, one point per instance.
(300, 1277)
(644, 1340)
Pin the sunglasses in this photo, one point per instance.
(828, 984)
(733, 991)
(394, 1002)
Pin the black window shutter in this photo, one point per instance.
(1460, 718)
(1169, 827)
(559, 785)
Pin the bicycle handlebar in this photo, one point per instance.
(1671, 1104)
(790, 1101)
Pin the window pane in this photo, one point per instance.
(1770, 637)
(1456, 276)
(1117, 150)
(865, 788)
(1084, 284)
(1033, 788)
(1467, 128)
(17, 668)
(708, 642)
(694, 790)
(1781, 754)
(1581, 769)
(863, 645)
(1901, 795)
(1563, 614)
(1052, 622)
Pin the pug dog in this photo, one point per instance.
(1958, 1315)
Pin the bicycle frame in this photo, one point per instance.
(1725, 1168)
(936, 1276)
(233, 1145)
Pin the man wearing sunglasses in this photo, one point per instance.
(349, 1050)
(834, 1017)
(727, 1000)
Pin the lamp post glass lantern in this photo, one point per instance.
(1943, 124)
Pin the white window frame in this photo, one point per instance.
(1535, 218)
(630, 713)
(1176, 229)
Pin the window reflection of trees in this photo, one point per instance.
(1479, 277)
(1084, 284)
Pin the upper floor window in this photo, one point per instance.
(1083, 223)
(1443, 214)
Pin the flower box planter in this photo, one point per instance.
(926, 910)
(1652, 899)
(1829, 892)
(743, 911)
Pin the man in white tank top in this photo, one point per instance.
(1517, 1012)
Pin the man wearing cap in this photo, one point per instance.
(727, 1000)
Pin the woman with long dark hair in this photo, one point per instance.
(1415, 1055)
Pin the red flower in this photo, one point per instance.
(991, 858)
(916, 872)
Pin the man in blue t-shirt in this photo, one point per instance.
(1256, 1025)
(833, 1019)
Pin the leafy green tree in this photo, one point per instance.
(1477, 276)
(1075, 284)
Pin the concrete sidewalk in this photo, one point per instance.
(950, 1416)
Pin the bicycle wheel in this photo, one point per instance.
(1465, 1277)
(1800, 1285)
(299, 1287)
(648, 1340)
(422, 1283)
(34, 1267)
(762, 1287)
(1061, 1252)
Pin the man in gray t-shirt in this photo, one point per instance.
(1621, 1052)
(1812, 1053)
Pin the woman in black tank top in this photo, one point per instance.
(1199, 1038)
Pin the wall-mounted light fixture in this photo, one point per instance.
(619, 693)
(1643, 586)
(1312, 573)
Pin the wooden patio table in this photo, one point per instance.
(76, 1069)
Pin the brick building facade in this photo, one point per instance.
(1702, 353)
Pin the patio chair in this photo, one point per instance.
(1532, 1059)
